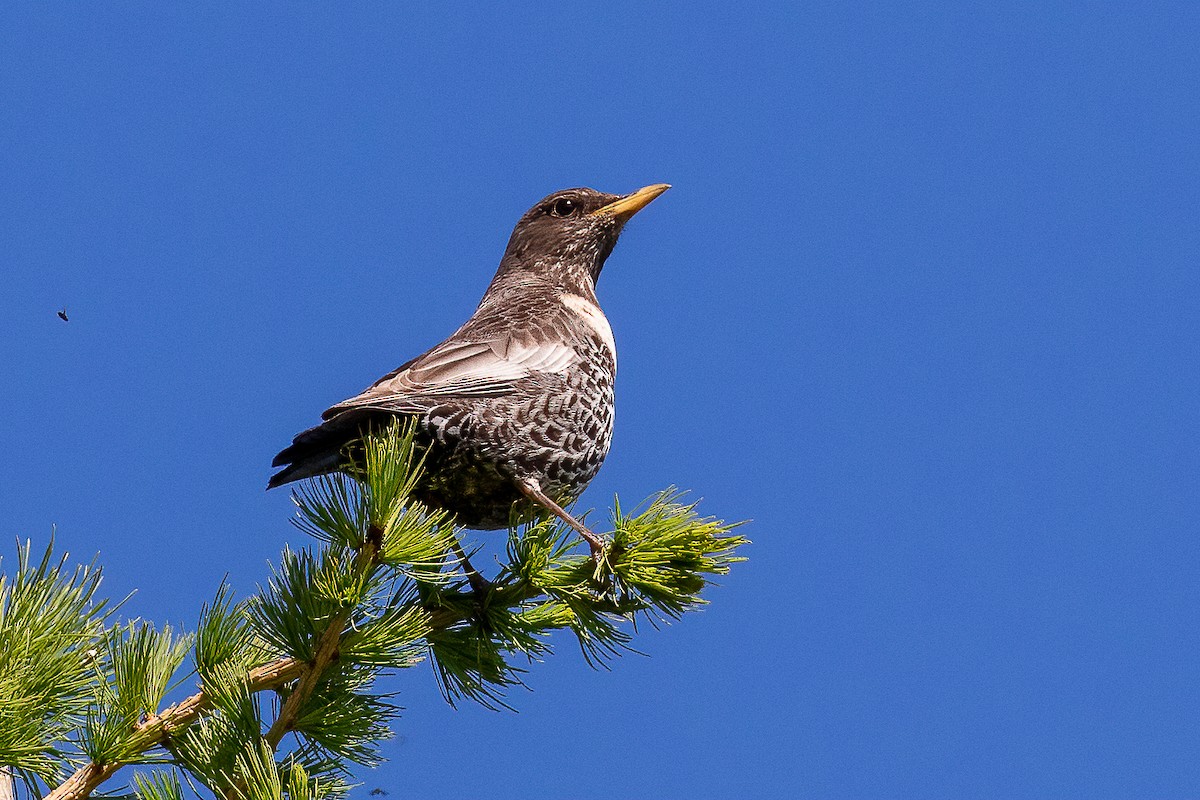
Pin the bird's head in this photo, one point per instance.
(566, 236)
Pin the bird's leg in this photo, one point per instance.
(530, 489)
(479, 584)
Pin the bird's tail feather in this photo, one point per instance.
(320, 450)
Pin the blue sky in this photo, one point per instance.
(923, 304)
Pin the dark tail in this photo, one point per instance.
(320, 450)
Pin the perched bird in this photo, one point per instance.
(516, 407)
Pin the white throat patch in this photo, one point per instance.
(591, 314)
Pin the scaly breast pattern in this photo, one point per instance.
(555, 428)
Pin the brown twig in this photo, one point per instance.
(155, 729)
(309, 676)
(8, 790)
(327, 646)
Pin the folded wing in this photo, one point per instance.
(463, 369)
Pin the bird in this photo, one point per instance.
(514, 411)
(63, 315)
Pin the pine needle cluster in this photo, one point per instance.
(286, 700)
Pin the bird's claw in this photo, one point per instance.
(479, 584)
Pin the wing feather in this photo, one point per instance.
(467, 369)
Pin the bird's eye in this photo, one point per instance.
(564, 207)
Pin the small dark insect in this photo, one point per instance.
(376, 792)
(63, 315)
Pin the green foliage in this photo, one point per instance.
(391, 639)
(299, 602)
(413, 540)
(50, 630)
(139, 663)
(665, 553)
(257, 776)
(225, 637)
(343, 719)
(209, 749)
(287, 678)
(660, 558)
(470, 662)
(157, 785)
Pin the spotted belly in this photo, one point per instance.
(556, 430)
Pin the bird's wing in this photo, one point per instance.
(464, 369)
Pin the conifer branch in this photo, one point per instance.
(366, 561)
(388, 589)
(157, 729)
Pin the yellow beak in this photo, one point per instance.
(630, 204)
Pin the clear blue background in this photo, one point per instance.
(923, 304)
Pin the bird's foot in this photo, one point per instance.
(602, 549)
(531, 490)
(479, 584)
(596, 543)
